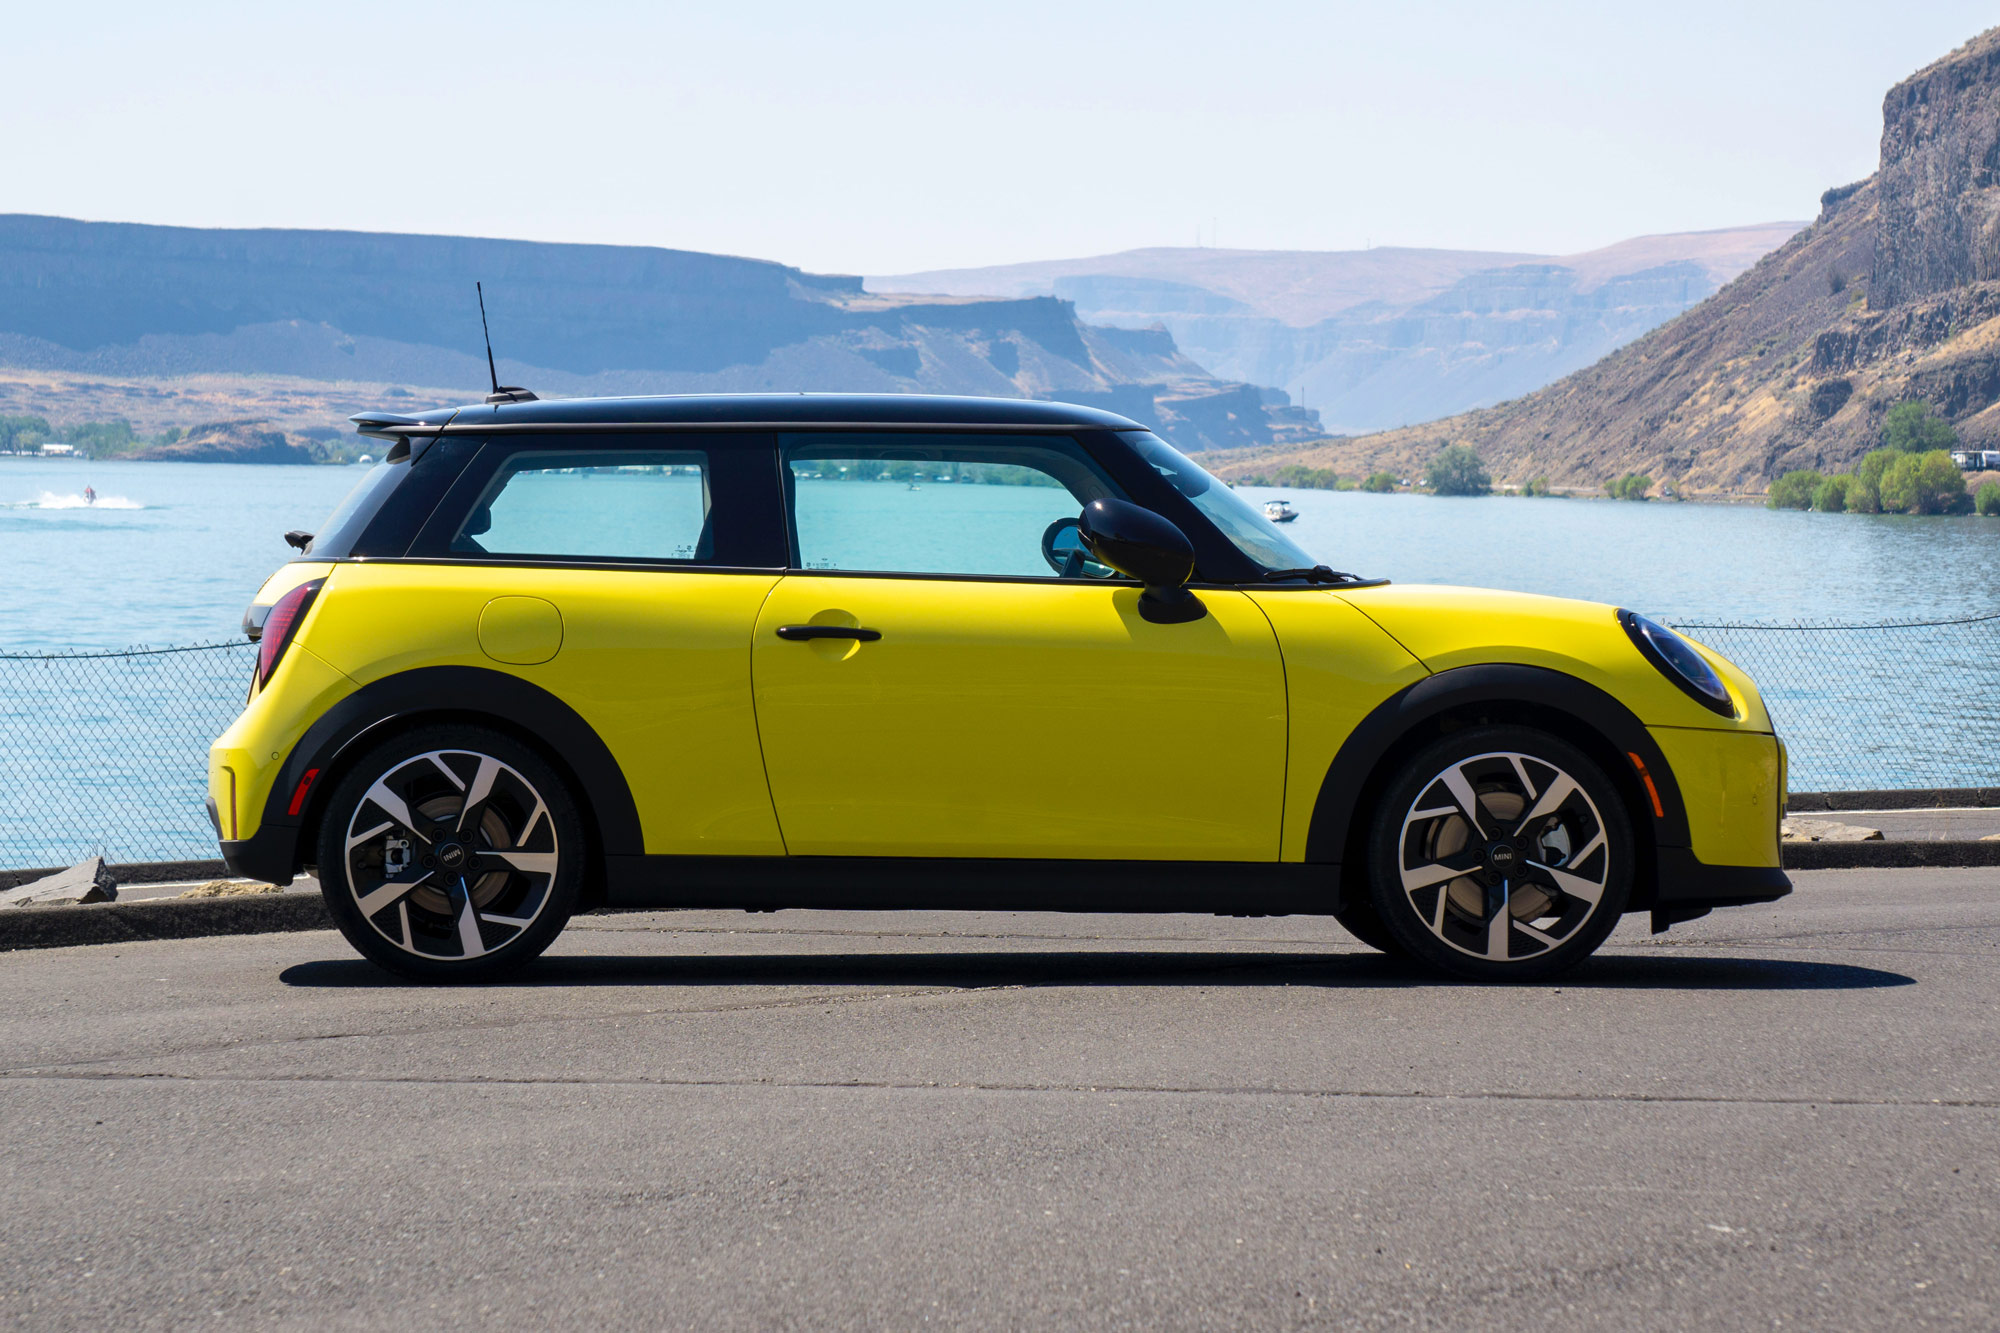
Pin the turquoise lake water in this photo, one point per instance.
(105, 755)
(172, 551)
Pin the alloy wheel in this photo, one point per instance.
(451, 854)
(1504, 857)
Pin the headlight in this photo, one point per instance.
(1679, 662)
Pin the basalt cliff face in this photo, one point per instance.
(1893, 294)
(120, 302)
(1940, 178)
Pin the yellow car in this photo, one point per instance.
(840, 651)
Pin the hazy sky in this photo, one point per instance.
(876, 136)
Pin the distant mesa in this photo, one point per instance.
(118, 301)
(1371, 339)
(1891, 295)
(229, 442)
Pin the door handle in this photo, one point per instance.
(800, 633)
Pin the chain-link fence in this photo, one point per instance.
(1876, 707)
(106, 753)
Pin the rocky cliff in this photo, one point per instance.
(1939, 180)
(119, 300)
(1892, 294)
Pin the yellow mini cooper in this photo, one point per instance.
(839, 651)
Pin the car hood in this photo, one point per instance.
(1445, 628)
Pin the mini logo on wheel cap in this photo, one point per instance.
(1501, 856)
(451, 855)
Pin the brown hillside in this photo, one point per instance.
(230, 442)
(1892, 294)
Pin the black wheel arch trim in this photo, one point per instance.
(470, 694)
(1535, 689)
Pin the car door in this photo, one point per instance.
(970, 702)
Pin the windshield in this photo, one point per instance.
(1242, 523)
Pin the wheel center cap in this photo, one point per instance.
(1503, 857)
(452, 855)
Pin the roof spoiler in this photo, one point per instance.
(385, 425)
(389, 426)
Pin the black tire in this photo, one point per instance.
(1554, 856)
(1359, 920)
(429, 893)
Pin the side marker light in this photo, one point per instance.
(1659, 811)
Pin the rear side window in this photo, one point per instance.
(606, 505)
(352, 514)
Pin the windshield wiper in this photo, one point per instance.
(1317, 574)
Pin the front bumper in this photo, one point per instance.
(1689, 887)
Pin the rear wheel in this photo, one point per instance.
(451, 854)
(1501, 853)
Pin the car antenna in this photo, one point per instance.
(508, 393)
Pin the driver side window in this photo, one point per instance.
(984, 504)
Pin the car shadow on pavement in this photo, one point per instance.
(1360, 970)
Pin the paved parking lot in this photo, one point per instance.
(1773, 1117)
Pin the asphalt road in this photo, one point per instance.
(1773, 1117)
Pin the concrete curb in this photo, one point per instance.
(136, 872)
(1888, 855)
(169, 919)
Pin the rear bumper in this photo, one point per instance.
(268, 854)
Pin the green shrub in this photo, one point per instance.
(101, 438)
(1457, 471)
(1926, 483)
(1913, 428)
(1300, 477)
(23, 432)
(1794, 490)
(1870, 469)
(1987, 501)
(1380, 482)
(1539, 486)
(1631, 486)
(1831, 497)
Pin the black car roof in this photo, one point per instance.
(772, 409)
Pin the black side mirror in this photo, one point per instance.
(1141, 545)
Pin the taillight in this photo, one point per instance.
(280, 625)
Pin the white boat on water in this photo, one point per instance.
(1279, 512)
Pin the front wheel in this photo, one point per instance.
(1501, 853)
(451, 854)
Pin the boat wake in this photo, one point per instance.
(50, 500)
